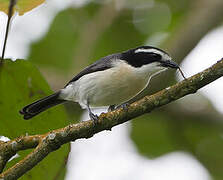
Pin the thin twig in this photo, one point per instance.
(51, 141)
(10, 13)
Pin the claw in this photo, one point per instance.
(94, 117)
(124, 106)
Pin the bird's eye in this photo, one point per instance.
(147, 58)
(153, 57)
(140, 58)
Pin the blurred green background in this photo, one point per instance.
(79, 35)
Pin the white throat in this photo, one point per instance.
(150, 70)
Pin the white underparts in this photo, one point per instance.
(112, 86)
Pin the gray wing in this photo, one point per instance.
(100, 65)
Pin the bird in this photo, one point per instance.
(110, 81)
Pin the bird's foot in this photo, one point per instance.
(111, 108)
(124, 106)
(94, 117)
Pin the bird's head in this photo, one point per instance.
(149, 58)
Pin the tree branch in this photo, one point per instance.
(46, 143)
(9, 149)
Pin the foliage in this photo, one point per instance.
(21, 83)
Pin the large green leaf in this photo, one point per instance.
(20, 84)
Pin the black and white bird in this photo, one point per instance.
(110, 81)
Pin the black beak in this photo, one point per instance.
(172, 64)
(169, 63)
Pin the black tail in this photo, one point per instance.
(41, 105)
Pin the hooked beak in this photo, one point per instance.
(172, 64)
(169, 63)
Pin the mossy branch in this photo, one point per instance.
(46, 143)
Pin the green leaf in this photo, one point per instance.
(21, 84)
(22, 6)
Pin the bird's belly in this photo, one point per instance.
(115, 93)
(112, 87)
(102, 88)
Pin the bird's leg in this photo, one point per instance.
(111, 108)
(124, 106)
(93, 116)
